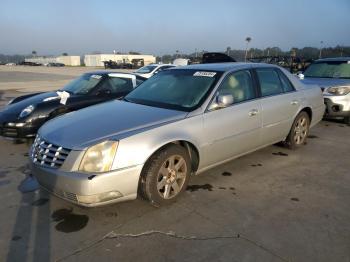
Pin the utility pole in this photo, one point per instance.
(248, 39)
(320, 56)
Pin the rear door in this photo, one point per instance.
(280, 103)
(235, 129)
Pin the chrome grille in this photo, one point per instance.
(47, 154)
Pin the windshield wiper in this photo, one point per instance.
(126, 100)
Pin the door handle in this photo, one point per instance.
(294, 102)
(254, 112)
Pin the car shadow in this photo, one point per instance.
(30, 238)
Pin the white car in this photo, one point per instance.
(332, 75)
(151, 69)
(179, 122)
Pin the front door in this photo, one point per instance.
(235, 129)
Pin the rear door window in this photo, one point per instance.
(269, 80)
(286, 84)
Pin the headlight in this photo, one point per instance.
(99, 158)
(26, 111)
(339, 90)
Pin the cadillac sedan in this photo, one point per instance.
(180, 122)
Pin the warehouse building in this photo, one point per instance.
(98, 59)
(66, 60)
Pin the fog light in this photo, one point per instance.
(103, 197)
(335, 108)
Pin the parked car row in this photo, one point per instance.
(154, 133)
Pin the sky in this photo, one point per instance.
(162, 26)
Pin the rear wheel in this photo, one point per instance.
(165, 175)
(299, 131)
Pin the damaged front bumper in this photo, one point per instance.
(89, 190)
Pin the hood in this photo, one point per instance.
(325, 82)
(25, 101)
(111, 120)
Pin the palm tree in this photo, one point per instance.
(248, 39)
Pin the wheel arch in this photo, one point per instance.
(308, 110)
(189, 146)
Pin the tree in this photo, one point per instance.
(65, 54)
(34, 53)
(248, 39)
(134, 53)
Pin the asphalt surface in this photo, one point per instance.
(271, 205)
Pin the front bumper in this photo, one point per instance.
(26, 131)
(11, 126)
(89, 190)
(337, 106)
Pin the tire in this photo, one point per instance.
(300, 130)
(160, 183)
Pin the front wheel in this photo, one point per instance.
(299, 131)
(165, 175)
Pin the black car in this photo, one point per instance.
(24, 115)
(56, 64)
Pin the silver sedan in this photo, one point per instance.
(179, 122)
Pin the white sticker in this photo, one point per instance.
(96, 76)
(64, 96)
(203, 73)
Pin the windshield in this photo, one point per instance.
(146, 69)
(339, 69)
(175, 89)
(83, 85)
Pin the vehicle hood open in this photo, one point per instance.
(111, 120)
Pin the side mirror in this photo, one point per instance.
(300, 75)
(222, 101)
(104, 92)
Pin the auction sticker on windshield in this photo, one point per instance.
(203, 73)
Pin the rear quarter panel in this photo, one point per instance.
(313, 98)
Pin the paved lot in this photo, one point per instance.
(271, 205)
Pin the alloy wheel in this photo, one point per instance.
(171, 176)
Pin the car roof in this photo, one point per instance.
(334, 59)
(153, 64)
(108, 72)
(224, 67)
